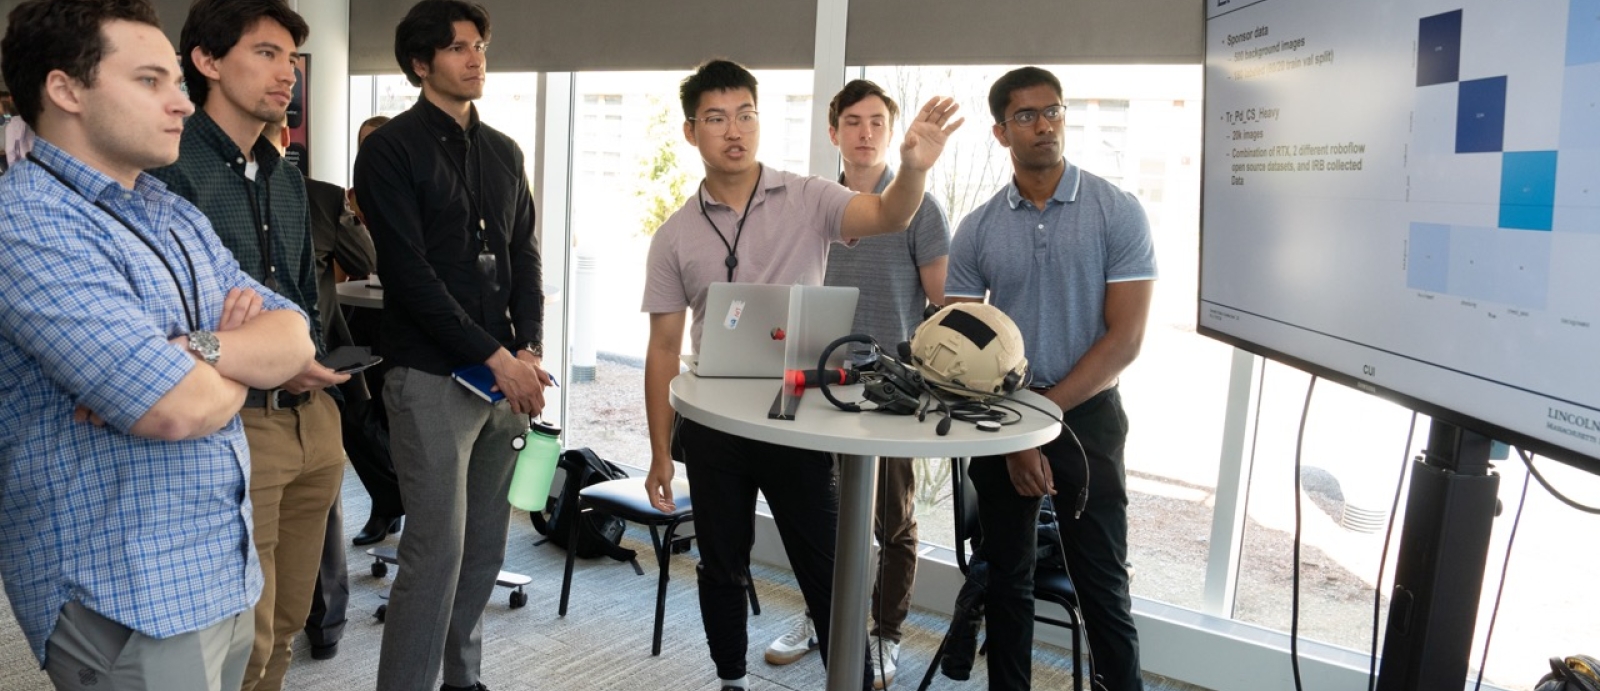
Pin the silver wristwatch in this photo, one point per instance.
(206, 345)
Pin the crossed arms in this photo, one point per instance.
(261, 349)
(103, 339)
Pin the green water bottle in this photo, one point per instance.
(537, 454)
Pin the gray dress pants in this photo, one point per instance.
(452, 453)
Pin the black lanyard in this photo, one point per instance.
(194, 325)
(263, 227)
(474, 195)
(738, 230)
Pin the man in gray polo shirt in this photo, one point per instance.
(754, 224)
(1069, 258)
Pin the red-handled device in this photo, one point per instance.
(807, 378)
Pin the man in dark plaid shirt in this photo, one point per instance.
(238, 62)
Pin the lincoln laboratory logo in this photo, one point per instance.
(1578, 425)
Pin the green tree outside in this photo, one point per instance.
(662, 185)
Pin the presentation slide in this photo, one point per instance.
(1404, 195)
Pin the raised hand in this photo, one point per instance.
(929, 130)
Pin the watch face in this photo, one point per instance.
(206, 344)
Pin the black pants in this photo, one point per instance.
(325, 623)
(801, 488)
(366, 421)
(1096, 549)
(366, 441)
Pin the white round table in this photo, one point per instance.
(359, 294)
(739, 407)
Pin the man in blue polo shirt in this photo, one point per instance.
(128, 335)
(1068, 257)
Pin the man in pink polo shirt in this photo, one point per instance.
(753, 224)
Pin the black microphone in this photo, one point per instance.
(836, 376)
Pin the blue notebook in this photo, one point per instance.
(479, 380)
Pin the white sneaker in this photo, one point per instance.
(884, 666)
(794, 645)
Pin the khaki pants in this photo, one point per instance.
(895, 525)
(88, 652)
(296, 467)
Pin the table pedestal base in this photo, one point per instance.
(847, 639)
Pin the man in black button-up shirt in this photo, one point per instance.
(451, 214)
(417, 179)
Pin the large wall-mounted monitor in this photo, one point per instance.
(1404, 196)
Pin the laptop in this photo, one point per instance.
(756, 330)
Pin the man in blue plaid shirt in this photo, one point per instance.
(128, 337)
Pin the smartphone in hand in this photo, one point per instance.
(350, 359)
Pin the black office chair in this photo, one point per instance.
(1049, 585)
(626, 499)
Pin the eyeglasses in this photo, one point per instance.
(717, 125)
(1053, 113)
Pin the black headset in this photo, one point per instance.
(889, 384)
(894, 387)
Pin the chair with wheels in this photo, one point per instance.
(627, 499)
(1049, 584)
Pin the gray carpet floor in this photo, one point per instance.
(604, 641)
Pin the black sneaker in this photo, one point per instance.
(475, 687)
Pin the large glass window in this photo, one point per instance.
(1548, 609)
(1138, 127)
(1352, 458)
(1132, 126)
(1348, 483)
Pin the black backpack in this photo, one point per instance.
(599, 533)
(1049, 554)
